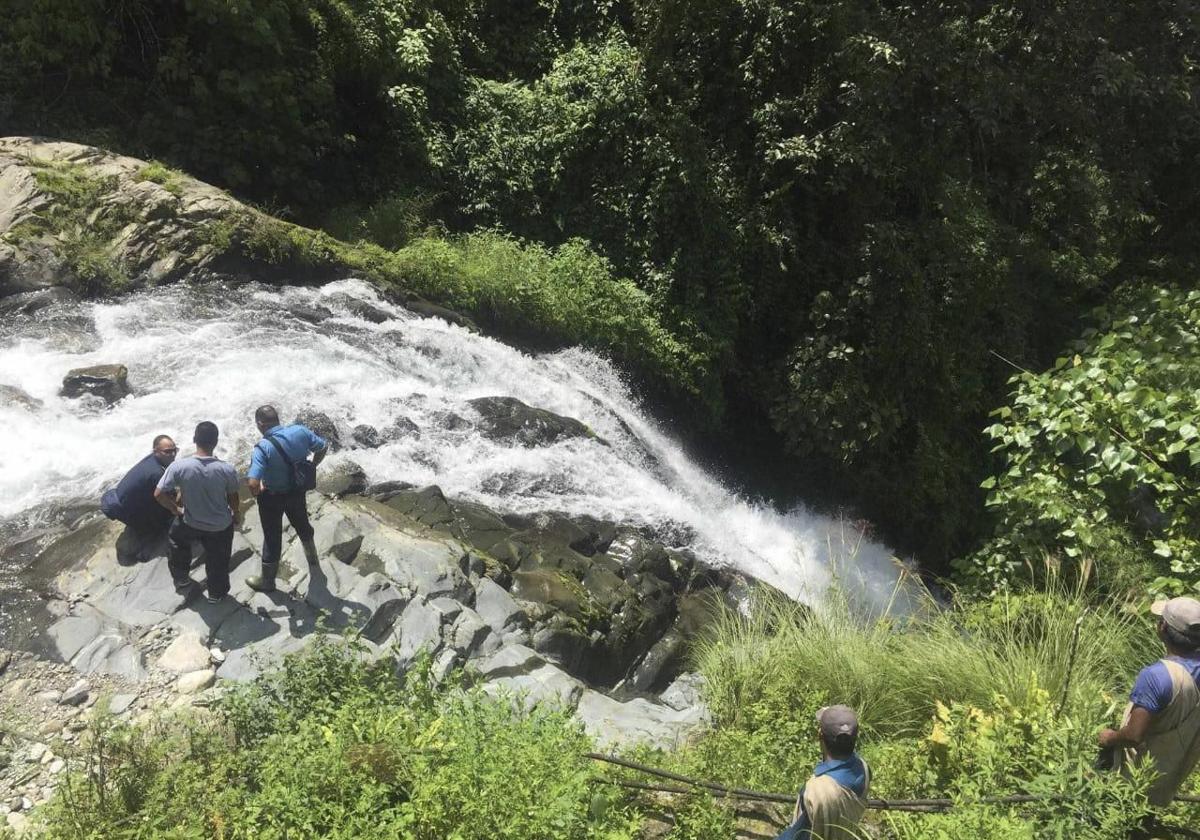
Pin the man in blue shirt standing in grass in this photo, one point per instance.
(833, 800)
(273, 481)
(1162, 722)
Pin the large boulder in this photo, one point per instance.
(509, 420)
(108, 382)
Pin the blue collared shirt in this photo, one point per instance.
(266, 465)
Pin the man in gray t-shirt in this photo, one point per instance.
(202, 493)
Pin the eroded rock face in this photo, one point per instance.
(509, 420)
(108, 382)
(513, 600)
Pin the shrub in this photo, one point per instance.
(1100, 454)
(332, 746)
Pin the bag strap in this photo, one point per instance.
(279, 448)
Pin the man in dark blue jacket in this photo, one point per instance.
(132, 502)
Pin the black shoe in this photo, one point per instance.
(184, 586)
(215, 599)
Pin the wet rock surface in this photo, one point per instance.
(542, 608)
(510, 420)
(108, 382)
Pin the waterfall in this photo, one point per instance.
(217, 352)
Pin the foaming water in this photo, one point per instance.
(215, 353)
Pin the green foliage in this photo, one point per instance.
(80, 223)
(785, 656)
(159, 173)
(1100, 454)
(965, 703)
(565, 295)
(333, 747)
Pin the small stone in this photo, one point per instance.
(35, 753)
(5, 659)
(47, 757)
(50, 727)
(195, 681)
(19, 686)
(26, 803)
(16, 822)
(119, 703)
(216, 655)
(49, 696)
(5, 759)
(57, 766)
(184, 655)
(75, 695)
(14, 804)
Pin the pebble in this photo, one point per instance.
(57, 766)
(50, 696)
(50, 727)
(36, 752)
(14, 804)
(47, 756)
(217, 655)
(195, 681)
(26, 803)
(76, 694)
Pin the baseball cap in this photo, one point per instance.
(1180, 614)
(838, 724)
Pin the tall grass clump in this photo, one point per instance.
(895, 670)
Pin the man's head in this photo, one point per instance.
(266, 418)
(164, 450)
(1179, 623)
(838, 730)
(206, 436)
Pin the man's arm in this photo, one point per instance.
(258, 468)
(319, 455)
(235, 505)
(167, 499)
(1133, 733)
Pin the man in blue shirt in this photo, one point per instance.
(132, 502)
(272, 480)
(833, 800)
(202, 493)
(1162, 722)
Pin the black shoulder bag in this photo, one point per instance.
(303, 472)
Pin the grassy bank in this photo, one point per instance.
(979, 699)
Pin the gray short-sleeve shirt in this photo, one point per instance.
(206, 484)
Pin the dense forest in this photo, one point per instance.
(838, 209)
(941, 254)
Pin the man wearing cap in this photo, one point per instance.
(832, 802)
(1162, 721)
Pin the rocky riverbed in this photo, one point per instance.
(589, 615)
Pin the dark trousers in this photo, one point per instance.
(271, 508)
(218, 545)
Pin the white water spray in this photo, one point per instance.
(216, 353)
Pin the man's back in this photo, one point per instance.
(270, 468)
(132, 501)
(834, 798)
(206, 483)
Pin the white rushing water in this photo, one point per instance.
(217, 353)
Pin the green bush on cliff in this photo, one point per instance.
(333, 747)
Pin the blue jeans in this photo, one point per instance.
(799, 830)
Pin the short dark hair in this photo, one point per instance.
(206, 435)
(840, 747)
(159, 439)
(1180, 641)
(267, 415)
